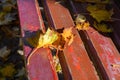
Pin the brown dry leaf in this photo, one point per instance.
(67, 35)
(59, 43)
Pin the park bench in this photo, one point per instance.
(91, 55)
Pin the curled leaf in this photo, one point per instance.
(81, 23)
(80, 19)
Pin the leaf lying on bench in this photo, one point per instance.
(51, 39)
(67, 35)
(43, 40)
(81, 23)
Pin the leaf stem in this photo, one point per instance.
(29, 57)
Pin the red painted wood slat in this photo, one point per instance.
(58, 12)
(105, 54)
(41, 66)
(75, 54)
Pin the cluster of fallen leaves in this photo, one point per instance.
(53, 40)
(101, 12)
(12, 65)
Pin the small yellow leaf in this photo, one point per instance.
(78, 26)
(67, 35)
(83, 26)
(57, 64)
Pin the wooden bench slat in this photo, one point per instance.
(61, 21)
(40, 66)
(103, 51)
(76, 56)
(107, 53)
(78, 61)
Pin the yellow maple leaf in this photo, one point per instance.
(43, 40)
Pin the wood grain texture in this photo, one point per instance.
(78, 62)
(40, 66)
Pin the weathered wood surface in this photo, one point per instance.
(102, 49)
(41, 64)
(77, 62)
(75, 54)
